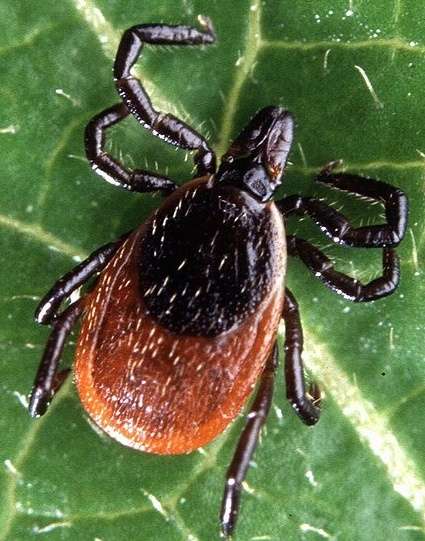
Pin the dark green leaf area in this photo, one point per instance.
(353, 74)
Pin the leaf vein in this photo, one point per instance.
(109, 39)
(397, 11)
(253, 45)
(25, 445)
(54, 155)
(394, 44)
(372, 426)
(37, 233)
(28, 40)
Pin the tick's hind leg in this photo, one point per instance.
(335, 224)
(350, 288)
(48, 308)
(165, 126)
(307, 409)
(246, 447)
(48, 380)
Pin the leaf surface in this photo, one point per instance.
(354, 76)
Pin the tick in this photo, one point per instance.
(181, 324)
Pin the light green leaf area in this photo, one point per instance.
(353, 73)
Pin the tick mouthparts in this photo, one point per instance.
(278, 143)
(266, 139)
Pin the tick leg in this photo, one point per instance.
(336, 225)
(111, 170)
(350, 288)
(48, 380)
(246, 447)
(308, 410)
(165, 126)
(393, 199)
(48, 307)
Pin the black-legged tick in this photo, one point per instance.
(182, 322)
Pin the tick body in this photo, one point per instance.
(182, 321)
(175, 338)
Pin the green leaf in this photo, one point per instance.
(354, 75)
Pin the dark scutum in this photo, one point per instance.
(207, 260)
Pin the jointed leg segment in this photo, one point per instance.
(137, 102)
(48, 308)
(48, 380)
(165, 126)
(109, 168)
(308, 410)
(322, 267)
(336, 225)
(246, 446)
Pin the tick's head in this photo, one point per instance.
(256, 160)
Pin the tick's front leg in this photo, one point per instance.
(136, 99)
(110, 169)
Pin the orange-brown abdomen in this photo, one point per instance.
(157, 390)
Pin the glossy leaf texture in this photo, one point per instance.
(353, 73)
